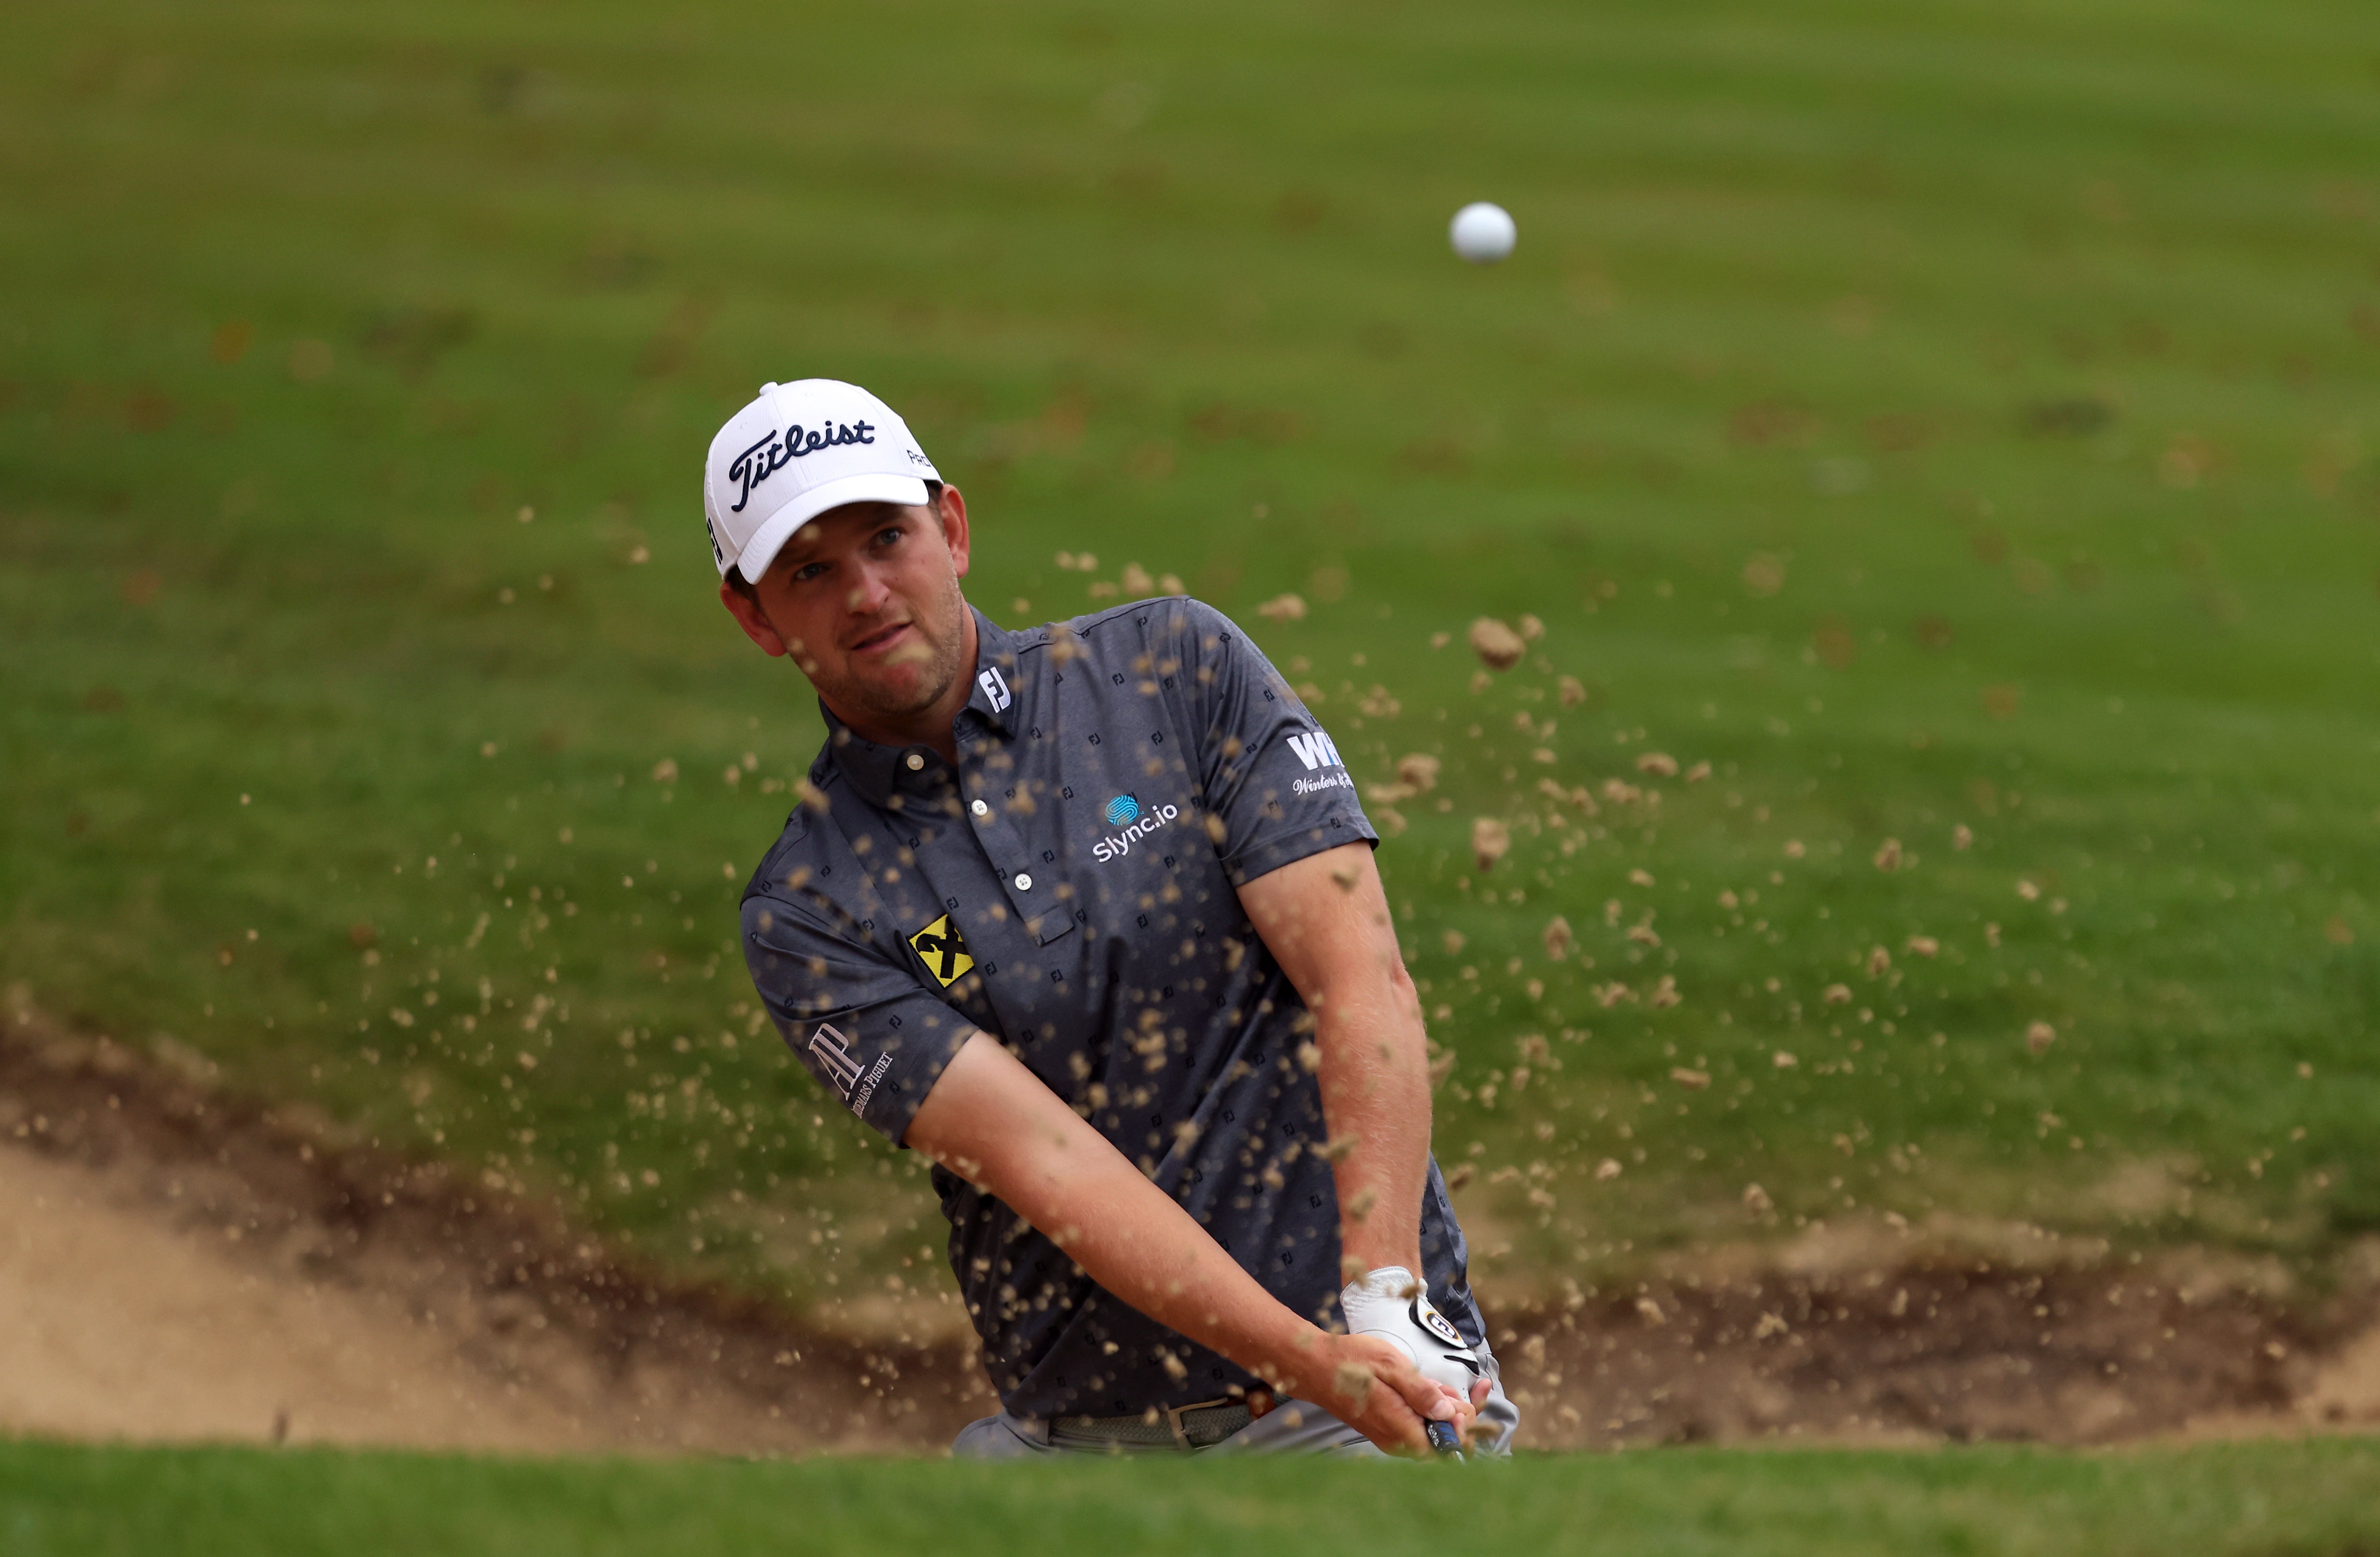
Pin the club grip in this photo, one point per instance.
(1444, 1438)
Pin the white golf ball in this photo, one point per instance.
(1482, 233)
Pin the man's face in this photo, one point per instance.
(866, 599)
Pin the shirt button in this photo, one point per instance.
(917, 761)
(1024, 881)
(979, 808)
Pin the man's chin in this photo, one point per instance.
(907, 690)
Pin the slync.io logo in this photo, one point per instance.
(1133, 824)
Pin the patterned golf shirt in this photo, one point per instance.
(1071, 890)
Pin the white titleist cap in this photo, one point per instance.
(795, 452)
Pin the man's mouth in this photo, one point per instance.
(881, 639)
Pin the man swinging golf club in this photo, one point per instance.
(1088, 914)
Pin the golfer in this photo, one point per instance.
(1088, 914)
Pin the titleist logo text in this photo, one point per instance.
(770, 455)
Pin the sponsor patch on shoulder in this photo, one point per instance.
(944, 951)
(1315, 749)
(832, 1052)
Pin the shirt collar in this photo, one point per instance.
(881, 773)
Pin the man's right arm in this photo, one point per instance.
(993, 1123)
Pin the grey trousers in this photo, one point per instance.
(1295, 1427)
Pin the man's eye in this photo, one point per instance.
(888, 535)
(803, 575)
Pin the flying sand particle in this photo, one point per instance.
(1497, 646)
(1490, 840)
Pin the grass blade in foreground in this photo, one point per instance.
(2270, 1497)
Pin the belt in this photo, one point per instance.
(1199, 1426)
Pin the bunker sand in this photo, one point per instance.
(114, 1323)
(177, 1264)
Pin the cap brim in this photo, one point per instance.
(770, 537)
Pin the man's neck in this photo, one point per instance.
(935, 727)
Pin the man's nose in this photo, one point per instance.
(871, 587)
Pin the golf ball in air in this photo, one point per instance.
(1482, 233)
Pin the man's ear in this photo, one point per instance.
(951, 508)
(751, 618)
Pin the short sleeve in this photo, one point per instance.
(871, 1033)
(1271, 773)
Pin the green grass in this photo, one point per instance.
(1930, 416)
(2258, 1499)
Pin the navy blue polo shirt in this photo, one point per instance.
(1071, 889)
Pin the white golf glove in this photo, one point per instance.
(1391, 1303)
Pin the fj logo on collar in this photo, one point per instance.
(994, 687)
(944, 951)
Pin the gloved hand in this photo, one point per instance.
(1391, 1303)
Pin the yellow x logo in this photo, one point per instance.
(944, 949)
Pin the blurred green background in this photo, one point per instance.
(1951, 423)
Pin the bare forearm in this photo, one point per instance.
(1326, 918)
(1134, 1240)
(1375, 1101)
(990, 1120)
